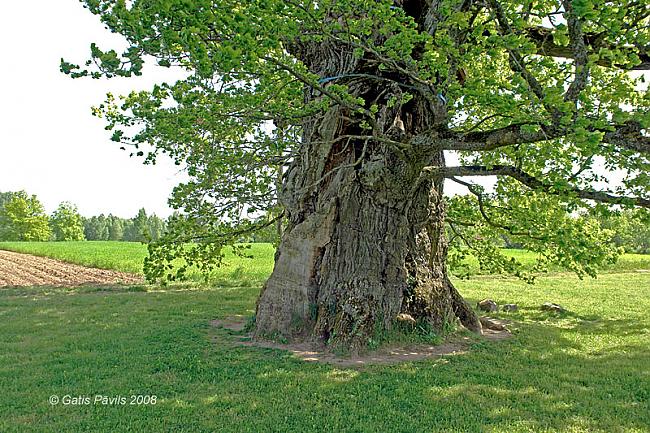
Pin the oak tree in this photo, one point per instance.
(337, 119)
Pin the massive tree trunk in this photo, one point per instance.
(365, 236)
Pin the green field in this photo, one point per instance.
(584, 371)
(128, 257)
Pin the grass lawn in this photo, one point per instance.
(587, 370)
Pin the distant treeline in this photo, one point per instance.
(140, 228)
(631, 230)
(23, 218)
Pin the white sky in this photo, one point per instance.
(50, 144)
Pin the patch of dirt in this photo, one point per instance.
(496, 335)
(24, 270)
(315, 352)
(236, 324)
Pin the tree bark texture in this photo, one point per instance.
(365, 234)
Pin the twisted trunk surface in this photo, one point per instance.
(365, 235)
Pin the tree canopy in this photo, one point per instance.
(549, 97)
(23, 218)
(66, 223)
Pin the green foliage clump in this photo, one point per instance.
(23, 218)
(631, 230)
(66, 223)
(542, 224)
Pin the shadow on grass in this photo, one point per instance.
(545, 380)
(559, 373)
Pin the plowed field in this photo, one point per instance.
(18, 269)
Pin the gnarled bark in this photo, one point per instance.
(365, 238)
(357, 252)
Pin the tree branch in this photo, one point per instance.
(481, 206)
(536, 184)
(518, 133)
(579, 48)
(543, 39)
(627, 135)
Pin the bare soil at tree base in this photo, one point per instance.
(394, 354)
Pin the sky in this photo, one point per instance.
(50, 144)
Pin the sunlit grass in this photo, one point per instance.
(120, 256)
(584, 371)
(626, 262)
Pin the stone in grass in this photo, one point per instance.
(493, 324)
(487, 305)
(555, 308)
(510, 307)
(406, 319)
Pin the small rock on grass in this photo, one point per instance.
(487, 305)
(493, 324)
(555, 308)
(510, 307)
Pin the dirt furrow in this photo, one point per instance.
(18, 269)
(34, 273)
(55, 272)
